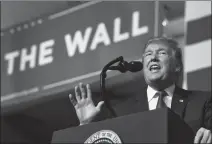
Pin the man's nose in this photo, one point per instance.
(154, 57)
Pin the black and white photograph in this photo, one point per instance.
(106, 72)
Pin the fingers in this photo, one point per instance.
(210, 139)
(206, 135)
(203, 136)
(89, 93)
(99, 106)
(83, 92)
(204, 139)
(77, 95)
(198, 136)
(72, 99)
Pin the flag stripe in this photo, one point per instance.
(200, 79)
(199, 30)
(197, 9)
(197, 56)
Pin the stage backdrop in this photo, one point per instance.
(45, 56)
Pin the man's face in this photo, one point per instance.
(158, 63)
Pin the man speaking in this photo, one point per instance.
(162, 65)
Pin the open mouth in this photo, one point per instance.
(154, 68)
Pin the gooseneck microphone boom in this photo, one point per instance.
(123, 66)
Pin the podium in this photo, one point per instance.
(156, 126)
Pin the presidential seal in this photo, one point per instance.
(104, 136)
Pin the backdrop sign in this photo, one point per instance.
(71, 44)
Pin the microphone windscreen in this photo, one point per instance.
(135, 66)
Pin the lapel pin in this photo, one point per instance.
(181, 100)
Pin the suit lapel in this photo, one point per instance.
(179, 101)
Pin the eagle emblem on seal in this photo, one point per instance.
(104, 136)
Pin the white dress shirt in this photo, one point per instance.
(152, 100)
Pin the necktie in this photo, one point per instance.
(161, 103)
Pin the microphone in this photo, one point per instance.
(123, 66)
(133, 66)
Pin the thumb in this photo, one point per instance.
(100, 105)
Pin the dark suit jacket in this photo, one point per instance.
(195, 107)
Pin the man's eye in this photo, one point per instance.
(147, 54)
(162, 52)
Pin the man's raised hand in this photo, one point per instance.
(84, 106)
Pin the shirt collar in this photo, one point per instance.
(151, 92)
